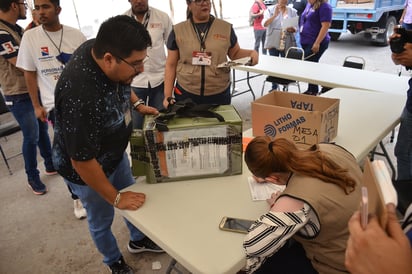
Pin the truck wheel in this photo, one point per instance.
(390, 24)
(334, 36)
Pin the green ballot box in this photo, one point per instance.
(182, 148)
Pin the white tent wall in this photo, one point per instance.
(89, 14)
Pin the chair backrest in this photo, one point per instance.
(356, 62)
(295, 53)
(3, 107)
(8, 125)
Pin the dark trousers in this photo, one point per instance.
(315, 58)
(290, 259)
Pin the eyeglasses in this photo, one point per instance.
(199, 2)
(136, 65)
(24, 4)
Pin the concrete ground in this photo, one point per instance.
(39, 234)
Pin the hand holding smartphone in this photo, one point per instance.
(364, 207)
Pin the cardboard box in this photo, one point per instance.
(303, 119)
(191, 148)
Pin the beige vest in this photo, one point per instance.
(189, 76)
(333, 209)
(11, 79)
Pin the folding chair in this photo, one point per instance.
(350, 61)
(293, 53)
(6, 129)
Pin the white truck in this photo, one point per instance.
(376, 18)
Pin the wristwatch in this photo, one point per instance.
(138, 103)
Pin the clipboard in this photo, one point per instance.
(377, 182)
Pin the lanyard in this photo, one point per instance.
(202, 34)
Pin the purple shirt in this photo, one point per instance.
(311, 23)
(407, 18)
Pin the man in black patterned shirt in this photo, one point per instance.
(93, 128)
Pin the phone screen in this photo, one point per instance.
(235, 224)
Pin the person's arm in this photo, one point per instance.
(375, 250)
(236, 52)
(142, 108)
(321, 35)
(276, 239)
(31, 83)
(92, 174)
(403, 13)
(272, 18)
(170, 74)
(9, 49)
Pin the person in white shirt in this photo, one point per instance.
(148, 85)
(44, 51)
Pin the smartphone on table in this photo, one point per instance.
(235, 224)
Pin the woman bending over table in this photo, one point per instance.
(306, 228)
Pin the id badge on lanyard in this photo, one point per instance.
(201, 58)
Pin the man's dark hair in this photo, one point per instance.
(5, 5)
(55, 2)
(120, 35)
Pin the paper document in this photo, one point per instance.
(262, 191)
(240, 61)
(290, 22)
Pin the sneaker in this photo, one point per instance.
(79, 210)
(37, 186)
(50, 172)
(143, 245)
(120, 267)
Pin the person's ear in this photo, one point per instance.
(58, 10)
(14, 5)
(109, 60)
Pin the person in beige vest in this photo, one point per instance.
(305, 230)
(195, 49)
(17, 98)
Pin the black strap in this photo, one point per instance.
(188, 109)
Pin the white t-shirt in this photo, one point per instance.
(39, 52)
(159, 27)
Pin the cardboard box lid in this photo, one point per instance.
(296, 101)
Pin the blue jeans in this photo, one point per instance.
(297, 38)
(407, 26)
(260, 37)
(315, 58)
(100, 213)
(155, 95)
(403, 147)
(35, 133)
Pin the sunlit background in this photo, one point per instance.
(87, 15)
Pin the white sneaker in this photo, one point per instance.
(79, 210)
